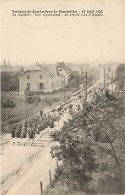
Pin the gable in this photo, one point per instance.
(65, 67)
(30, 71)
(45, 70)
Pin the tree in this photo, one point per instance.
(120, 76)
(94, 140)
(106, 115)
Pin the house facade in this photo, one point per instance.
(45, 78)
(65, 71)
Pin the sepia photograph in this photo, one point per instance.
(62, 69)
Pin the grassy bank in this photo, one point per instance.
(57, 188)
(24, 110)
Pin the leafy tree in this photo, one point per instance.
(120, 76)
(94, 141)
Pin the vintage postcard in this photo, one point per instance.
(62, 97)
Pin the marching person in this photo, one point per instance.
(13, 131)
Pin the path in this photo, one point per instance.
(18, 160)
(26, 163)
(29, 184)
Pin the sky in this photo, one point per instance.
(27, 40)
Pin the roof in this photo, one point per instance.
(45, 69)
(53, 69)
(49, 69)
(64, 66)
(25, 72)
(30, 68)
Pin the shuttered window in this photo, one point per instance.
(28, 76)
(28, 86)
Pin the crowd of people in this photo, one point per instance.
(9, 104)
(35, 125)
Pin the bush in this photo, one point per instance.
(33, 99)
(9, 81)
(32, 93)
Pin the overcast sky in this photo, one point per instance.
(95, 39)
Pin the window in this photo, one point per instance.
(40, 86)
(52, 84)
(28, 86)
(28, 76)
(41, 76)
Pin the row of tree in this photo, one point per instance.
(93, 143)
(9, 81)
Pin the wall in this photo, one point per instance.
(63, 72)
(56, 83)
(34, 80)
(50, 84)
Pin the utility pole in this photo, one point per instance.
(8, 62)
(50, 176)
(41, 188)
(64, 86)
(86, 84)
(104, 79)
(112, 82)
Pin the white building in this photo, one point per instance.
(45, 78)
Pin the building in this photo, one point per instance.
(44, 78)
(6, 67)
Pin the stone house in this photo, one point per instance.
(44, 78)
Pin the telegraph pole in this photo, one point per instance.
(64, 86)
(86, 84)
(112, 82)
(104, 79)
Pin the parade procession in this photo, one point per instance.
(49, 121)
